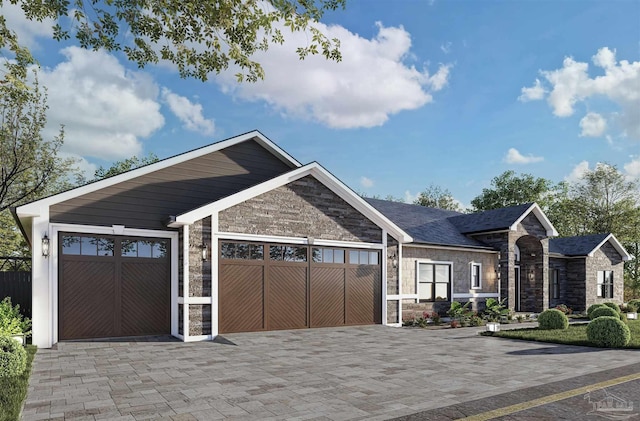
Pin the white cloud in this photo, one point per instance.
(410, 198)
(513, 156)
(632, 169)
(189, 113)
(366, 182)
(105, 108)
(27, 30)
(88, 169)
(571, 84)
(371, 83)
(446, 48)
(593, 125)
(536, 92)
(578, 172)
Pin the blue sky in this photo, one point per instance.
(450, 93)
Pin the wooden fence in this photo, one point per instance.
(17, 285)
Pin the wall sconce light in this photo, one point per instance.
(394, 261)
(45, 246)
(205, 252)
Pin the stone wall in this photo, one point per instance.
(393, 287)
(199, 270)
(561, 266)
(199, 319)
(302, 208)
(605, 258)
(576, 284)
(392, 311)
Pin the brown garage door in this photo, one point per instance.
(276, 286)
(110, 286)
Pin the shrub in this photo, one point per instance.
(608, 331)
(604, 311)
(11, 321)
(614, 306)
(495, 310)
(593, 307)
(553, 319)
(631, 308)
(635, 302)
(13, 357)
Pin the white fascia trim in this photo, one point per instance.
(551, 231)
(319, 173)
(199, 338)
(33, 208)
(476, 295)
(409, 296)
(296, 240)
(616, 244)
(430, 246)
(393, 297)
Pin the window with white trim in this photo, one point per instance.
(605, 283)
(476, 275)
(434, 281)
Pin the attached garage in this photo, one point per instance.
(111, 286)
(266, 286)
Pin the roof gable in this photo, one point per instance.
(319, 173)
(585, 245)
(34, 208)
(501, 219)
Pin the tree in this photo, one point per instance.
(509, 189)
(198, 36)
(125, 165)
(436, 197)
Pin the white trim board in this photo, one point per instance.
(316, 171)
(551, 231)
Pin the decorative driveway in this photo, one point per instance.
(371, 372)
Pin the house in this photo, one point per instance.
(507, 253)
(239, 236)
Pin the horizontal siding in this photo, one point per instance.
(147, 201)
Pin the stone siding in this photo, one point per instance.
(576, 284)
(561, 266)
(199, 319)
(199, 270)
(605, 258)
(302, 208)
(393, 288)
(392, 311)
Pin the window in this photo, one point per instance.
(241, 251)
(433, 281)
(288, 253)
(326, 255)
(605, 283)
(555, 284)
(87, 246)
(144, 248)
(361, 257)
(476, 276)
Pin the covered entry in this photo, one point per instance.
(110, 286)
(265, 286)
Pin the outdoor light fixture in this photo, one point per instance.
(394, 261)
(205, 252)
(45, 246)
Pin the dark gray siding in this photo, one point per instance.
(147, 201)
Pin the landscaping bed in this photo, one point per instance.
(575, 334)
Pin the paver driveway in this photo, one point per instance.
(371, 372)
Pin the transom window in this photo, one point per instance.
(361, 257)
(476, 276)
(434, 280)
(144, 248)
(87, 246)
(288, 253)
(327, 255)
(555, 284)
(605, 283)
(242, 251)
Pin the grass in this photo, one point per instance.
(576, 334)
(13, 390)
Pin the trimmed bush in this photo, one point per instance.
(635, 302)
(552, 319)
(609, 332)
(603, 311)
(593, 307)
(614, 306)
(13, 357)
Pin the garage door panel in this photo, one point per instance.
(241, 298)
(287, 297)
(145, 298)
(363, 296)
(87, 300)
(327, 296)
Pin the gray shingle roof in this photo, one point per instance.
(425, 225)
(576, 246)
(491, 220)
